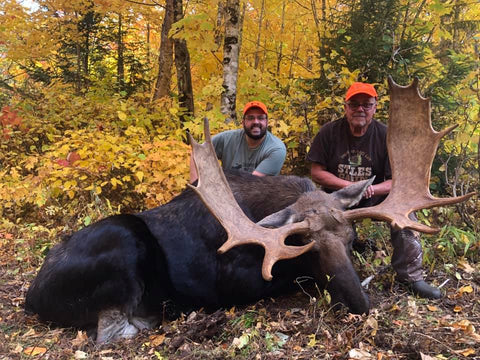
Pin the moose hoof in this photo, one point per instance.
(113, 325)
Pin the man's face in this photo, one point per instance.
(255, 123)
(359, 111)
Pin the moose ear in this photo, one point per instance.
(280, 218)
(351, 195)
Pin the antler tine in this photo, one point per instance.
(412, 143)
(213, 189)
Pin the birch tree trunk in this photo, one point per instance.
(231, 51)
(165, 56)
(182, 64)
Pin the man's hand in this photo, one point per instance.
(369, 192)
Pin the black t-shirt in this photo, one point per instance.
(350, 157)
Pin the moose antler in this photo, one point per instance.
(213, 189)
(412, 144)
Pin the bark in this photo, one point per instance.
(120, 59)
(231, 51)
(257, 50)
(182, 64)
(219, 24)
(148, 43)
(165, 56)
(280, 46)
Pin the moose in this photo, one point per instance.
(234, 238)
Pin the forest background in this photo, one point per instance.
(97, 96)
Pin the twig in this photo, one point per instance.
(438, 341)
(444, 283)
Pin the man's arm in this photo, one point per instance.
(326, 179)
(272, 164)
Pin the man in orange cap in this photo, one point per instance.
(354, 148)
(253, 148)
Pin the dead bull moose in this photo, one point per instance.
(117, 274)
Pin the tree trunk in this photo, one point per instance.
(257, 50)
(120, 59)
(280, 45)
(182, 64)
(165, 56)
(148, 43)
(219, 24)
(231, 51)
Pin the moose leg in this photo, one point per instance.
(113, 324)
(112, 264)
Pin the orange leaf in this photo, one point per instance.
(457, 309)
(466, 352)
(432, 308)
(81, 339)
(465, 289)
(35, 350)
(157, 340)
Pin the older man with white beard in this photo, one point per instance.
(354, 148)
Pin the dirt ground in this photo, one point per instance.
(294, 326)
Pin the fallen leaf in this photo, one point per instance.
(457, 308)
(465, 266)
(372, 323)
(80, 354)
(359, 354)
(432, 308)
(29, 333)
(395, 307)
(35, 350)
(465, 289)
(157, 340)
(426, 357)
(81, 339)
(466, 352)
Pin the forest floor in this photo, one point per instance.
(295, 326)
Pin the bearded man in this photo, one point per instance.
(253, 149)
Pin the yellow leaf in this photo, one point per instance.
(121, 115)
(71, 194)
(465, 289)
(35, 350)
(395, 307)
(312, 341)
(98, 190)
(466, 352)
(139, 175)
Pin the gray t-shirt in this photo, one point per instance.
(232, 149)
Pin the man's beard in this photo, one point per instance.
(262, 133)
